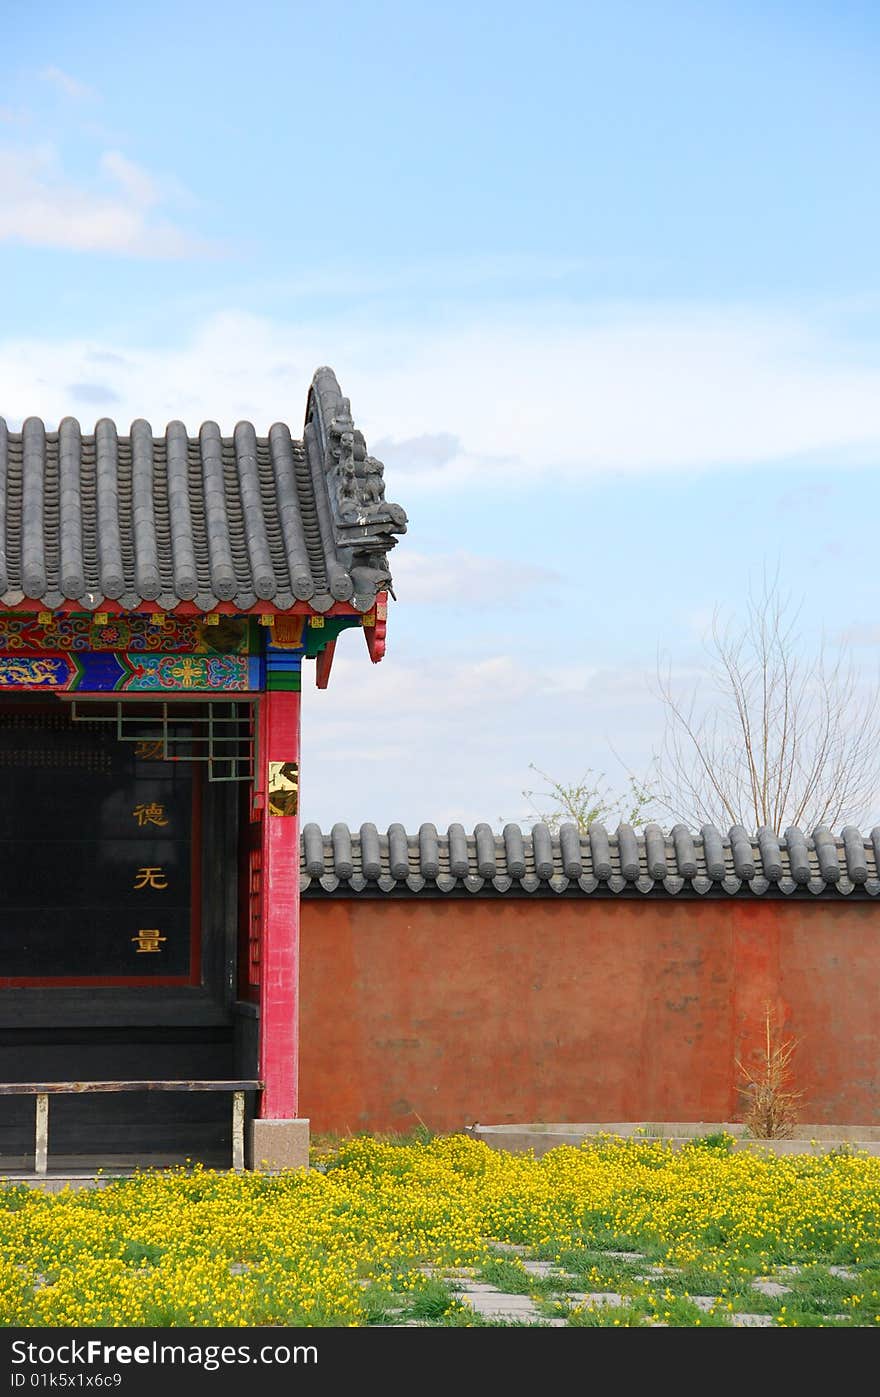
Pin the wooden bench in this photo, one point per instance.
(43, 1090)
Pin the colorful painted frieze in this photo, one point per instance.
(29, 632)
(131, 673)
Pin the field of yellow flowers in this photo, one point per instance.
(376, 1231)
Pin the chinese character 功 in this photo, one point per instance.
(152, 814)
(148, 941)
(149, 751)
(150, 878)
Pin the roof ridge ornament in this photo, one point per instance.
(364, 522)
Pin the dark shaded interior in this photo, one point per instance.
(68, 796)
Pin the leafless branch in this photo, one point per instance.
(779, 739)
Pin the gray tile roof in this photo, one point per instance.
(602, 862)
(206, 519)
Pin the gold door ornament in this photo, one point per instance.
(283, 788)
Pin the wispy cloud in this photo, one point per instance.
(484, 406)
(429, 452)
(95, 394)
(467, 579)
(70, 86)
(465, 732)
(114, 212)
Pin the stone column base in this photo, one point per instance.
(277, 1145)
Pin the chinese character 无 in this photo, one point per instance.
(152, 814)
(148, 941)
(150, 878)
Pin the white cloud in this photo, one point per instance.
(140, 186)
(42, 207)
(71, 87)
(466, 579)
(483, 405)
(97, 395)
(453, 738)
(429, 452)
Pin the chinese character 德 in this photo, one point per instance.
(148, 940)
(150, 878)
(152, 814)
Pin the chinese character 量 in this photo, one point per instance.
(152, 814)
(148, 940)
(150, 878)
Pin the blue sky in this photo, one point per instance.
(601, 282)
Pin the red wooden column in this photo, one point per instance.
(279, 971)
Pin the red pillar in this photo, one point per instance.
(279, 960)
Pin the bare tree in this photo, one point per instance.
(782, 740)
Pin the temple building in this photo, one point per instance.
(160, 597)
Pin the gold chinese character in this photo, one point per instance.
(150, 878)
(148, 941)
(149, 751)
(152, 814)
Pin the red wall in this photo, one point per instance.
(451, 1012)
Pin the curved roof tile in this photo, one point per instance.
(536, 862)
(166, 518)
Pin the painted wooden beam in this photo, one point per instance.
(86, 1087)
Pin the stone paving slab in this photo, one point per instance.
(539, 1268)
(843, 1273)
(501, 1308)
(491, 1303)
(483, 1288)
(596, 1297)
(747, 1321)
(769, 1287)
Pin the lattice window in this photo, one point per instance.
(222, 735)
